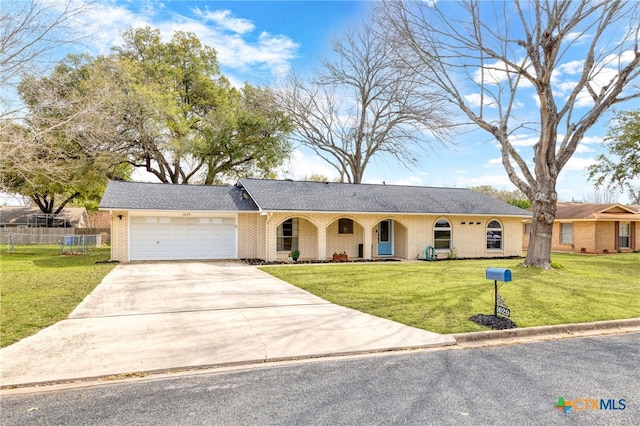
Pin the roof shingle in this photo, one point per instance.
(158, 196)
(302, 196)
(283, 195)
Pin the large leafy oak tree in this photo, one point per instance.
(182, 121)
(160, 106)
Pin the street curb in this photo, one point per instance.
(479, 338)
(146, 374)
(613, 326)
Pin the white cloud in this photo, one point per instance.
(304, 163)
(583, 148)
(496, 180)
(105, 22)
(232, 37)
(498, 72)
(591, 140)
(572, 67)
(475, 99)
(578, 164)
(524, 140)
(225, 20)
(412, 180)
(578, 37)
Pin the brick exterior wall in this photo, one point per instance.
(605, 237)
(588, 237)
(319, 238)
(251, 236)
(120, 236)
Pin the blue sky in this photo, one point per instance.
(258, 41)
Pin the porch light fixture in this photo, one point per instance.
(120, 217)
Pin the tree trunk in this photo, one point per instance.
(544, 213)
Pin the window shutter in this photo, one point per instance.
(616, 225)
(632, 231)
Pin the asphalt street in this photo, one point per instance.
(502, 385)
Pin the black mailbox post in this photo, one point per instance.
(498, 274)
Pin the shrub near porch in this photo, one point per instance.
(441, 296)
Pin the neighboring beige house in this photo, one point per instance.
(267, 219)
(592, 228)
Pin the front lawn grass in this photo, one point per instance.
(441, 296)
(39, 287)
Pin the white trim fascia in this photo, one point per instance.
(179, 213)
(394, 213)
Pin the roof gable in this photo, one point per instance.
(583, 211)
(284, 195)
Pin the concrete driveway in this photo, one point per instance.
(163, 316)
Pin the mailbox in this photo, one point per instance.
(498, 274)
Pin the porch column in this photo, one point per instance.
(270, 240)
(322, 242)
(367, 241)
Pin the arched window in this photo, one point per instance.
(494, 235)
(442, 234)
(288, 235)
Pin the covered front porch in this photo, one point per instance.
(319, 237)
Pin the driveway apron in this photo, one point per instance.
(150, 317)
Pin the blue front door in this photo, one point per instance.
(384, 238)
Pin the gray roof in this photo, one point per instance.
(283, 195)
(159, 196)
(286, 195)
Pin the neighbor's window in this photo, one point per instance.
(345, 226)
(527, 229)
(624, 235)
(288, 235)
(566, 233)
(494, 235)
(442, 234)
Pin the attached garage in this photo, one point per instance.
(151, 221)
(182, 238)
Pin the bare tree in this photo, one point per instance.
(30, 30)
(601, 197)
(491, 57)
(360, 105)
(634, 194)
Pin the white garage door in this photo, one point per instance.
(175, 238)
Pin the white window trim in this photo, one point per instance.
(294, 237)
(501, 230)
(563, 235)
(450, 229)
(627, 235)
